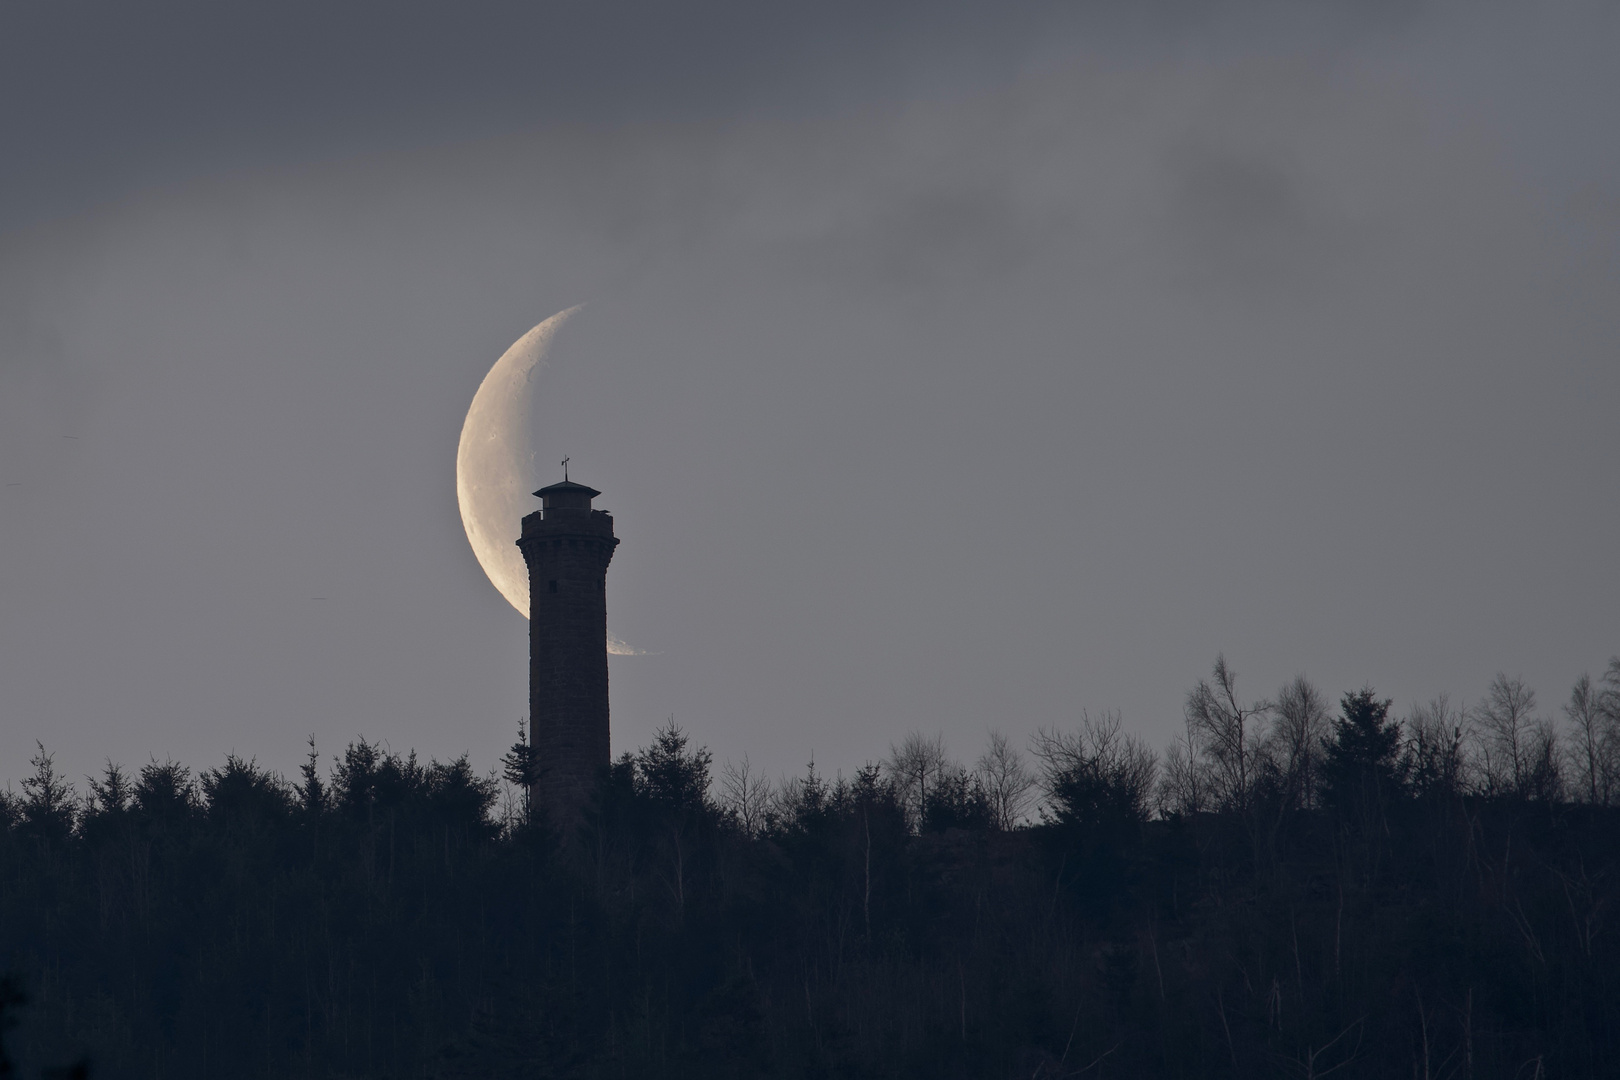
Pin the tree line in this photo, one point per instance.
(1293, 888)
(1285, 752)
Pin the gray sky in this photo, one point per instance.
(945, 368)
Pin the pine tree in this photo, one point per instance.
(520, 768)
(1362, 769)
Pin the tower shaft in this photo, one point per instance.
(567, 546)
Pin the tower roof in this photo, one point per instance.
(567, 487)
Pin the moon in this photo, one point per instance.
(495, 461)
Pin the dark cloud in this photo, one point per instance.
(108, 97)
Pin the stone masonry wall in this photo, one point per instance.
(568, 552)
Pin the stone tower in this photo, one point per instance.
(567, 546)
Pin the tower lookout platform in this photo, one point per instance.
(567, 546)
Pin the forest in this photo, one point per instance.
(1296, 887)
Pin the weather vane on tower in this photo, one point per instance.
(565, 470)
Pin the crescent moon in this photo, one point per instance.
(495, 461)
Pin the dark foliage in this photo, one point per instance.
(373, 920)
(957, 801)
(1361, 769)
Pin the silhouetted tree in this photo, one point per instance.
(801, 804)
(673, 776)
(110, 796)
(165, 792)
(1609, 699)
(1434, 763)
(459, 800)
(915, 766)
(10, 811)
(242, 798)
(956, 801)
(312, 793)
(1184, 783)
(746, 796)
(1520, 750)
(373, 920)
(520, 767)
(1299, 734)
(1097, 775)
(1595, 739)
(1228, 735)
(1362, 765)
(1006, 780)
(47, 808)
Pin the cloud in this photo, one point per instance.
(616, 647)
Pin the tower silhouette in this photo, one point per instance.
(567, 547)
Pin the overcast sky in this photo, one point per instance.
(946, 367)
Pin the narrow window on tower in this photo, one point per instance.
(553, 585)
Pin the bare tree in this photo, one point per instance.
(1435, 762)
(1228, 734)
(1097, 771)
(1611, 688)
(1546, 777)
(1184, 781)
(1507, 723)
(1594, 740)
(917, 766)
(1180, 790)
(1006, 780)
(746, 795)
(1608, 702)
(1298, 732)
